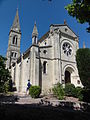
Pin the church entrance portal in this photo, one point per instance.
(67, 77)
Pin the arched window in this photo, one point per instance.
(15, 55)
(14, 41)
(45, 67)
(35, 39)
(45, 43)
(12, 54)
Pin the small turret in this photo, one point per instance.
(34, 34)
(65, 22)
(84, 45)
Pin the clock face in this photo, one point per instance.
(67, 49)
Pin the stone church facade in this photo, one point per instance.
(49, 60)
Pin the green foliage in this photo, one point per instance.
(83, 64)
(4, 75)
(58, 91)
(70, 90)
(79, 93)
(35, 91)
(81, 10)
(86, 95)
(6, 87)
(1, 88)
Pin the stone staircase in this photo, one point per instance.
(27, 100)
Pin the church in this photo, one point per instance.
(49, 60)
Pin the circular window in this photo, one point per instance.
(67, 49)
(44, 51)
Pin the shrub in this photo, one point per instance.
(83, 65)
(35, 91)
(6, 87)
(79, 93)
(1, 88)
(70, 90)
(86, 95)
(58, 91)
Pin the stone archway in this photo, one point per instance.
(68, 75)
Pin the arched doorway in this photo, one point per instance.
(69, 74)
(67, 77)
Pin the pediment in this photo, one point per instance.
(64, 28)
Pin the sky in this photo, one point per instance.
(44, 13)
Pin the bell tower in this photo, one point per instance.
(13, 51)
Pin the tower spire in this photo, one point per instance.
(35, 31)
(16, 24)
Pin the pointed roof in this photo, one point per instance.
(84, 45)
(35, 31)
(16, 24)
(65, 22)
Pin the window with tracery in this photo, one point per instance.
(67, 48)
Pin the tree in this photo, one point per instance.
(81, 10)
(4, 75)
(83, 64)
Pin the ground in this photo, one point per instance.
(26, 108)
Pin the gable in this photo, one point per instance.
(64, 28)
(67, 30)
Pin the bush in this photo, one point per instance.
(86, 95)
(70, 90)
(5, 87)
(79, 93)
(58, 91)
(1, 88)
(35, 91)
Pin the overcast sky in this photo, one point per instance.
(41, 11)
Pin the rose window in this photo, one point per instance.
(67, 49)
